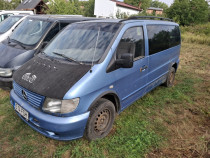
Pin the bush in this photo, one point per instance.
(196, 34)
(188, 12)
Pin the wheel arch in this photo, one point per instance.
(175, 66)
(111, 96)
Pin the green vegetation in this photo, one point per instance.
(196, 34)
(5, 5)
(63, 7)
(152, 125)
(158, 4)
(144, 3)
(71, 7)
(188, 12)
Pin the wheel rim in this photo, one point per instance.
(102, 121)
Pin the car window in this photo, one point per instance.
(132, 42)
(83, 42)
(54, 31)
(8, 23)
(4, 16)
(30, 31)
(162, 37)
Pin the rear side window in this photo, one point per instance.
(162, 37)
(132, 42)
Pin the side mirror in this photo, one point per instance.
(126, 61)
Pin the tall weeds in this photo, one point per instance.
(196, 34)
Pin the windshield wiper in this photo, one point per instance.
(68, 58)
(19, 43)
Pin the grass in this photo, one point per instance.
(167, 122)
(196, 34)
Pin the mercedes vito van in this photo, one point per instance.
(28, 38)
(92, 71)
(8, 26)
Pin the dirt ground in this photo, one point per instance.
(189, 126)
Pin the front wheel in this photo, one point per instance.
(170, 78)
(101, 119)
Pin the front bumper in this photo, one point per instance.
(59, 128)
(6, 83)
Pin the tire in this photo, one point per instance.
(170, 78)
(101, 119)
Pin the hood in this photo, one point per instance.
(8, 53)
(50, 78)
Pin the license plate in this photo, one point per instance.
(21, 111)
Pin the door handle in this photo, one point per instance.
(143, 68)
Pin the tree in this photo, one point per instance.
(158, 4)
(89, 8)
(64, 7)
(187, 12)
(199, 11)
(4, 5)
(144, 3)
(15, 3)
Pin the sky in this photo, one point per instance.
(168, 2)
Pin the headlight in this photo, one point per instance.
(5, 72)
(60, 106)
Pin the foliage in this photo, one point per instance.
(144, 3)
(188, 12)
(89, 8)
(64, 7)
(196, 34)
(71, 7)
(121, 15)
(4, 5)
(158, 4)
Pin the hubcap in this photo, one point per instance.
(102, 121)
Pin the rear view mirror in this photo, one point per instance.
(125, 61)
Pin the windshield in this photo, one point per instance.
(8, 23)
(83, 42)
(30, 31)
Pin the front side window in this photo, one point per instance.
(54, 31)
(8, 23)
(83, 42)
(132, 42)
(30, 31)
(162, 37)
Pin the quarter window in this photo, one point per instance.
(162, 37)
(132, 42)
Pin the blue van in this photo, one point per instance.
(92, 71)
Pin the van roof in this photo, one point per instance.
(145, 21)
(17, 11)
(19, 15)
(61, 17)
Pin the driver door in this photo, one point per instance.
(130, 82)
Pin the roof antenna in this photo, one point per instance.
(99, 29)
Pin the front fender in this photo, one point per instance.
(89, 100)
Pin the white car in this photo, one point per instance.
(8, 25)
(6, 13)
